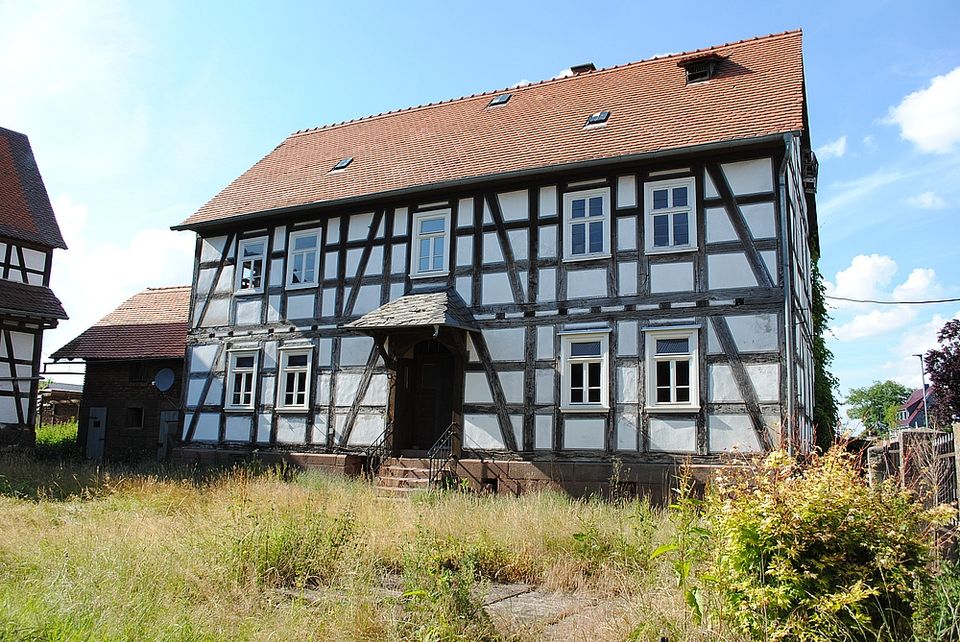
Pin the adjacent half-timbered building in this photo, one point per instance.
(611, 264)
(28, 236)
(130, 406)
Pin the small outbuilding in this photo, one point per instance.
(134, 367)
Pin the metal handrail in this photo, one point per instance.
(440, 455)
(377, 451)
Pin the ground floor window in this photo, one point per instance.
(241, 375)
(585, 370)
(672, 372)
(294, 379)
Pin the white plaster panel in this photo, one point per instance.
(709, 189)
(464, 287)
(722, 385)
(516, 422)
(464, 250)
(218, 313)
(248, 311)
(8, 410)
(471, 350)
(465, 213)
(330, 264)
(626, 338)
(273, 308)
(225, 282)
(627, 377)
(545, 343)
(300, 306)
(368, 299)
(320, 425)
(754, 332)
(291, 429)
(586, 283)
(328, 302)
(33, 259)
(269, 355)
(671, 277)
(34, 279)
(194, 390)
(377, 391)
(354, 351)
(211, 249)
(770, 260)
(719, 227)
(583, 433)
(268, 390)
(732, 432)
(359, 226)
(400, 221)
(543, 431)
(729, 271)
(208, 427)
(201, 358)
(205, 280)
(237, 428)
(548, 201)
(353, 262)
(627, 233)
(491, 248)
(544, 386)
(339, 425)
(626, 191)
(518, 243)
(627, 278)
(760, 219)
(548, 242)
(333, 230)
(627, 431)
(323, 388)
(22, 345)
(280, 238)
(264, 427)
(505, 344)
(324, 347)
(396, 291)
(713, 343)
(766, 380)
(476, 389)
(374, 261)
(398, 259)
(487, 216)
(276, 272)
(512, 385)
(547, 285)
(366, 428)
(482, 431)
(514, 205)
(749, 177)
(496, 289)
(671, 434)
(348, 386)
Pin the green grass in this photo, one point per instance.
(57, 441)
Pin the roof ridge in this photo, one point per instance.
(166, 287)
(424, 106)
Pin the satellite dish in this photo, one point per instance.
(163, 380)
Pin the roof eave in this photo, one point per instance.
(466, 182)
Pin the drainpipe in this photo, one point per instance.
(788, 320)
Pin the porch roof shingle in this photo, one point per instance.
(444, 308)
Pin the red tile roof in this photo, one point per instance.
(25, 210)
(757, 92)
(30, 300)
(148, 325)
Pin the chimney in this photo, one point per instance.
(582, 69)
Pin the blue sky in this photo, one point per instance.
(141, 111)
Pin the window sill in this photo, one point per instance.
(585, 409)
(301, 286)
(671, 409)
(670, 250)
(292, 410)
(247, 292)
(238, 409)
(586, 257)
(430, 275)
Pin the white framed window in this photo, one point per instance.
(241, 379)
(671, 215)
(672, 371)
(586, 216)
(431, 243)
(293, 380)
(303, 259)
(586, 371)
(251, 257)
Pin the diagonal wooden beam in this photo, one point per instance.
(362, 266)
(496, 390)
(203, 393)
(14, 377)
(512, 274)
(361, 393)
(216, 279)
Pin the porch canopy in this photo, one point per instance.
(426, 310)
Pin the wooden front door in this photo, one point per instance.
(431, 385)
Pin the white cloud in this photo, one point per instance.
(563, 73)
(905, 366)
(864, 279)
(833, 149)
(930, 117)
(873, 324)
(920, 284)
(869, 142)
(927, 201)
(850, 193)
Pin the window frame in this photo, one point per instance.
(568, 223)
(283, 368)
(232, 356)
(691, 209)
(567, 339)
(291, 252)
(651, 336)
(238, 277)
(415, 237)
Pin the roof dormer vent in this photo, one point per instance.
(576, 70)
(700, 68)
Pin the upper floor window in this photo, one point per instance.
(585, 371)
(241, 377)
(671, 219)
(251, 254)
(431, 246)
(303, 262)
(672, 372)
(294, 378)
(586, 216)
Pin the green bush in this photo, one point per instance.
(57, 441)
(812, 552)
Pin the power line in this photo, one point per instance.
(926, 302)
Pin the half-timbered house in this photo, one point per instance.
(614, 264)
(28, 236)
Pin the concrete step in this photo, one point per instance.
(402, 482)
(401, 471)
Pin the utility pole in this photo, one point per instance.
(923, 391)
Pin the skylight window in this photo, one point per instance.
(598, 118)
(499, 100)
(342, 163)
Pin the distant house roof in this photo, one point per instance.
(148, 325)
(32, 300)
(444, 308)
(757, 92)
(25, 210)
(914, 405)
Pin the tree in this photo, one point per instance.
(943, 366)
(826, 416)
(870, 405)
